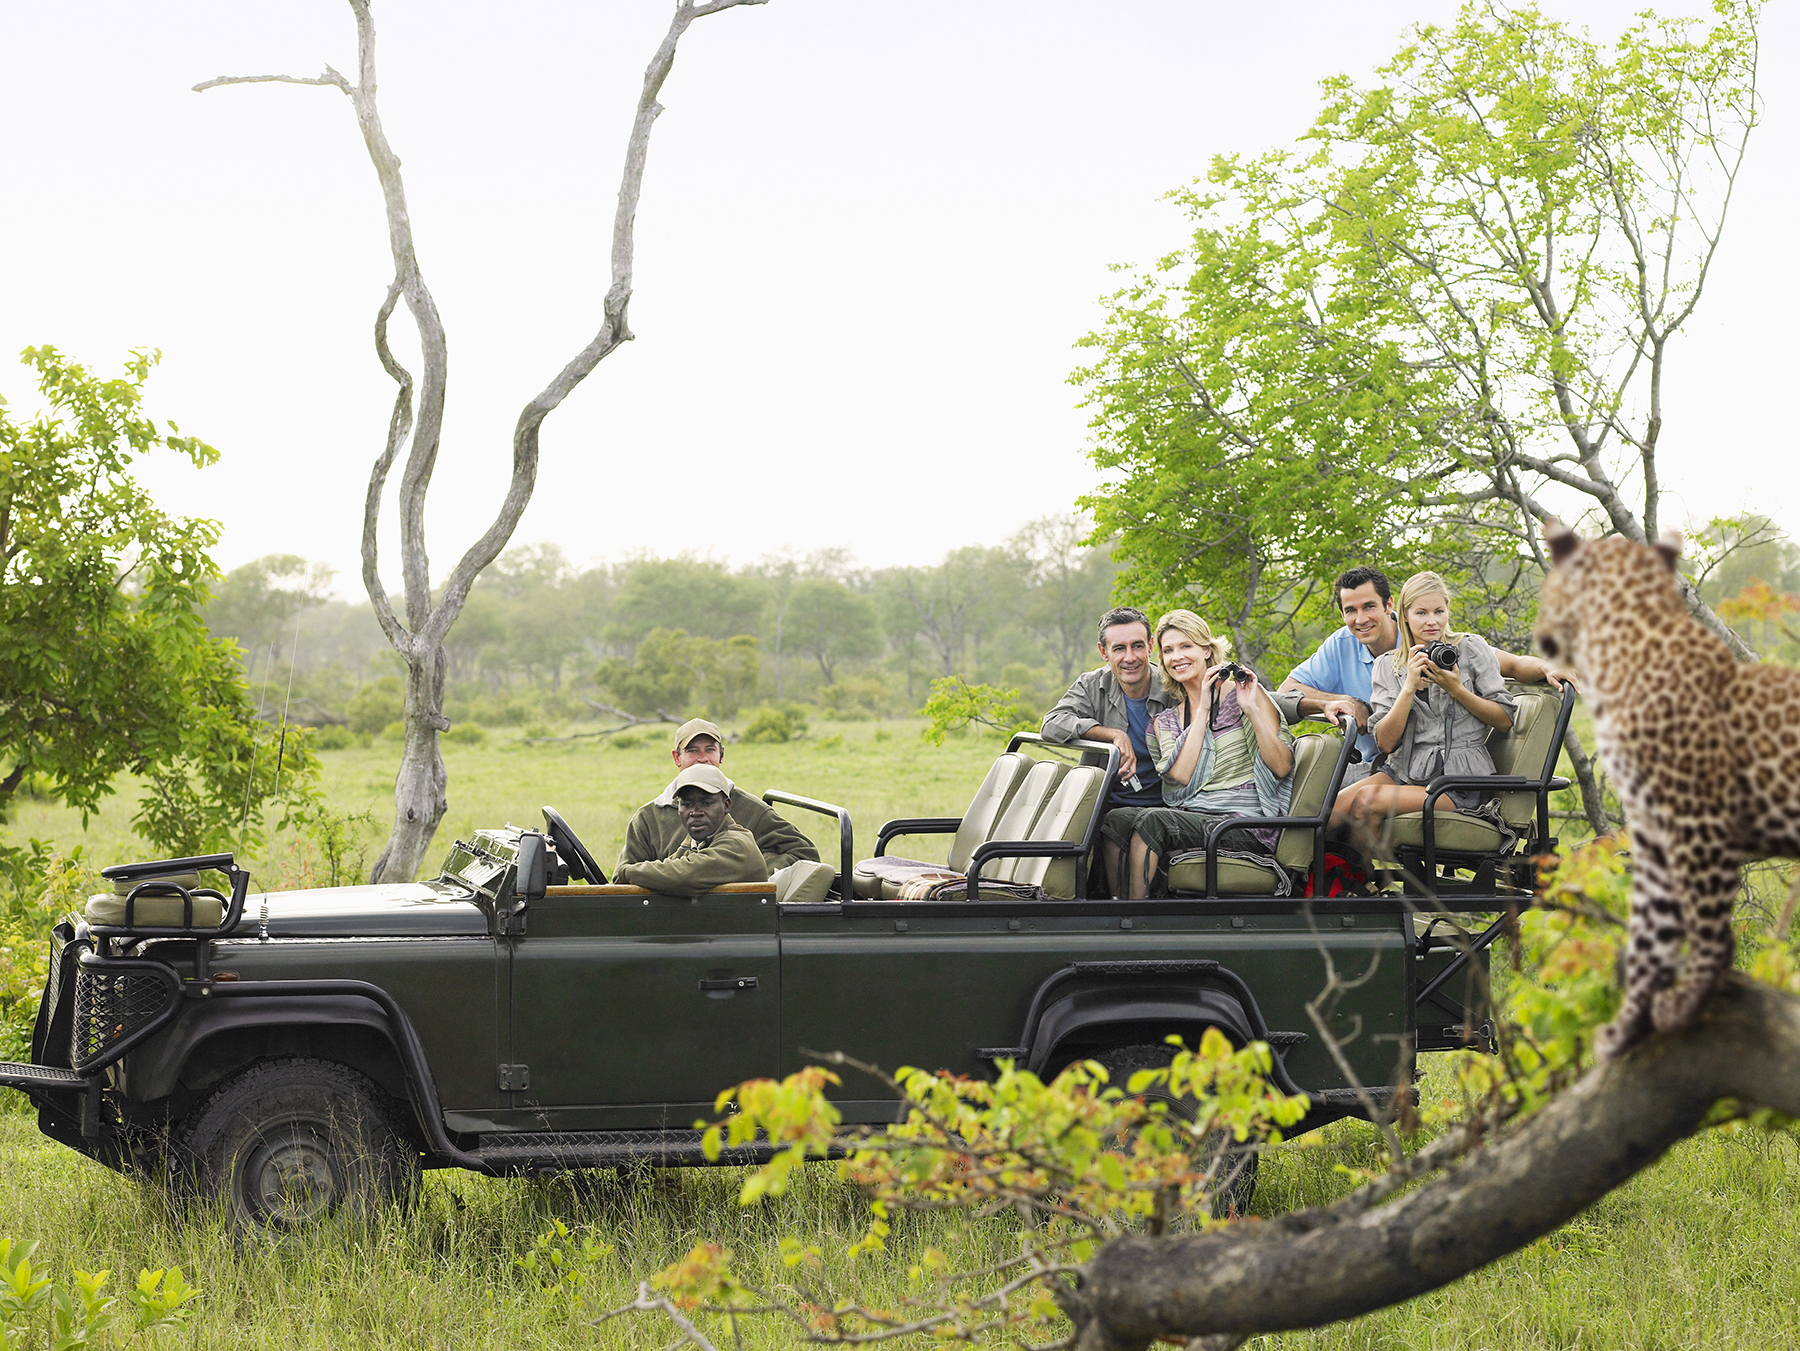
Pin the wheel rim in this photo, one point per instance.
(289, 1179)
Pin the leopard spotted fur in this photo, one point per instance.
(1703, 750)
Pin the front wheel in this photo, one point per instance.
(290, 1143)
(1235, 1167)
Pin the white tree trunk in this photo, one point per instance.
(420, 787)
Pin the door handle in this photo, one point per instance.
(730, 983)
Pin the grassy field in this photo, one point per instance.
(1703, 1250)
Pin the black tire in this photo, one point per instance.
(1238, 1166)
(291, 1143)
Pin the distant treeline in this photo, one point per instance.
(545, 640)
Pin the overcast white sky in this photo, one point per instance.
(870, 236)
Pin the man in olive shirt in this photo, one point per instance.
(1116, 703)
(656, 828)
(715, 849)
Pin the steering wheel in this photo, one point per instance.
(570, 848)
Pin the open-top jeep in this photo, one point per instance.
(296, 1052)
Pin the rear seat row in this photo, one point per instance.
(1039, 801)
(1043, 801)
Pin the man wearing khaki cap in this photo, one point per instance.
(714, 849)
(656, 827)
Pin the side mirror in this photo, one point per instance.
(528, 882)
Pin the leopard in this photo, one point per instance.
(1704, 751)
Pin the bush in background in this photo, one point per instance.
(774, 723)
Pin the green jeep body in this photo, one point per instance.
(503, 1019)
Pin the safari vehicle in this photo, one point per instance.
(294, 1053)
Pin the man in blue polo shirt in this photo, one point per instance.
(1337, 677)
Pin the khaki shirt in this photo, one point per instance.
(693, 870)
(1096, 699)
(655, 830)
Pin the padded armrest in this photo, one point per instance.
(846, 832)
(915, 825)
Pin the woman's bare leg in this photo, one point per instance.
(1345, 808)
(1375, 808)
(1143, 868)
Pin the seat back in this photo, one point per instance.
(1525, 747)
(986, 808)
(1315, 756)
(1064, 820)
(1021, 814)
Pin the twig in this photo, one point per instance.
(660, 1304)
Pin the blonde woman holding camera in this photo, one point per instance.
(1222, 750)
(1435, 699)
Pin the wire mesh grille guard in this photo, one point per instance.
(110, 1006)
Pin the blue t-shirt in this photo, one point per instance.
(1341, 665)
(1137, 727)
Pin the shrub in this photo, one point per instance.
(855, 699)
(626, 741)
(334, 738)
(376, 705)
(466, 734)
(394, 731)
(774, 723)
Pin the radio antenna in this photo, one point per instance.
(281, 745)
(255, 746)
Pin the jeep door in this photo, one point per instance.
(630, 1009)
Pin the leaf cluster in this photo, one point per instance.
(105, 664)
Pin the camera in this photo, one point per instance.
(1441, 654)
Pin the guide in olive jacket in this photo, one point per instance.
(695, 869)
(655, 830)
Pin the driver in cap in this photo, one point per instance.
(714, 849)
(656, 827)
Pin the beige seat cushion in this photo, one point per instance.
(880, 879)
(1525, 748)
(1457, 832)
(986, 808)
(157, 911)
(1064, 820)
(803, 882)
(1315, 756)
(1237, 877)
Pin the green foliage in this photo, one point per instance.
(774, 723)
(37, 887)
(671, 670)
(467, 734)
(954, 704)
(855, 698)
(560, 1265)
(377, 704)
(105, 664)
(253, 603)
(78, 1315)
(1090, 1158)
(830, 622)
(713, 601)
(1394, 334)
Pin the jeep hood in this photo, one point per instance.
(387, 910)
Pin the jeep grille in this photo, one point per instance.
(111, 1006)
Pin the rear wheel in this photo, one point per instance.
(291, 1143)
(1235, 1168)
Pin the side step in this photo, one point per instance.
(14, 1074)
(555, 1151)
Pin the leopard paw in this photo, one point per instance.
(1618, 1037)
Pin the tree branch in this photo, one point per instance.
(1319, 1266)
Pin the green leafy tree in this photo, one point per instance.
(106, 665)
(671, 670)
(1444, 315)
(830, 623)
(705, 597)
(1069, 583)
(254, 603)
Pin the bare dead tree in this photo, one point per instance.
(420, 787)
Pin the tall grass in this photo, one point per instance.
(1703, 1250)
